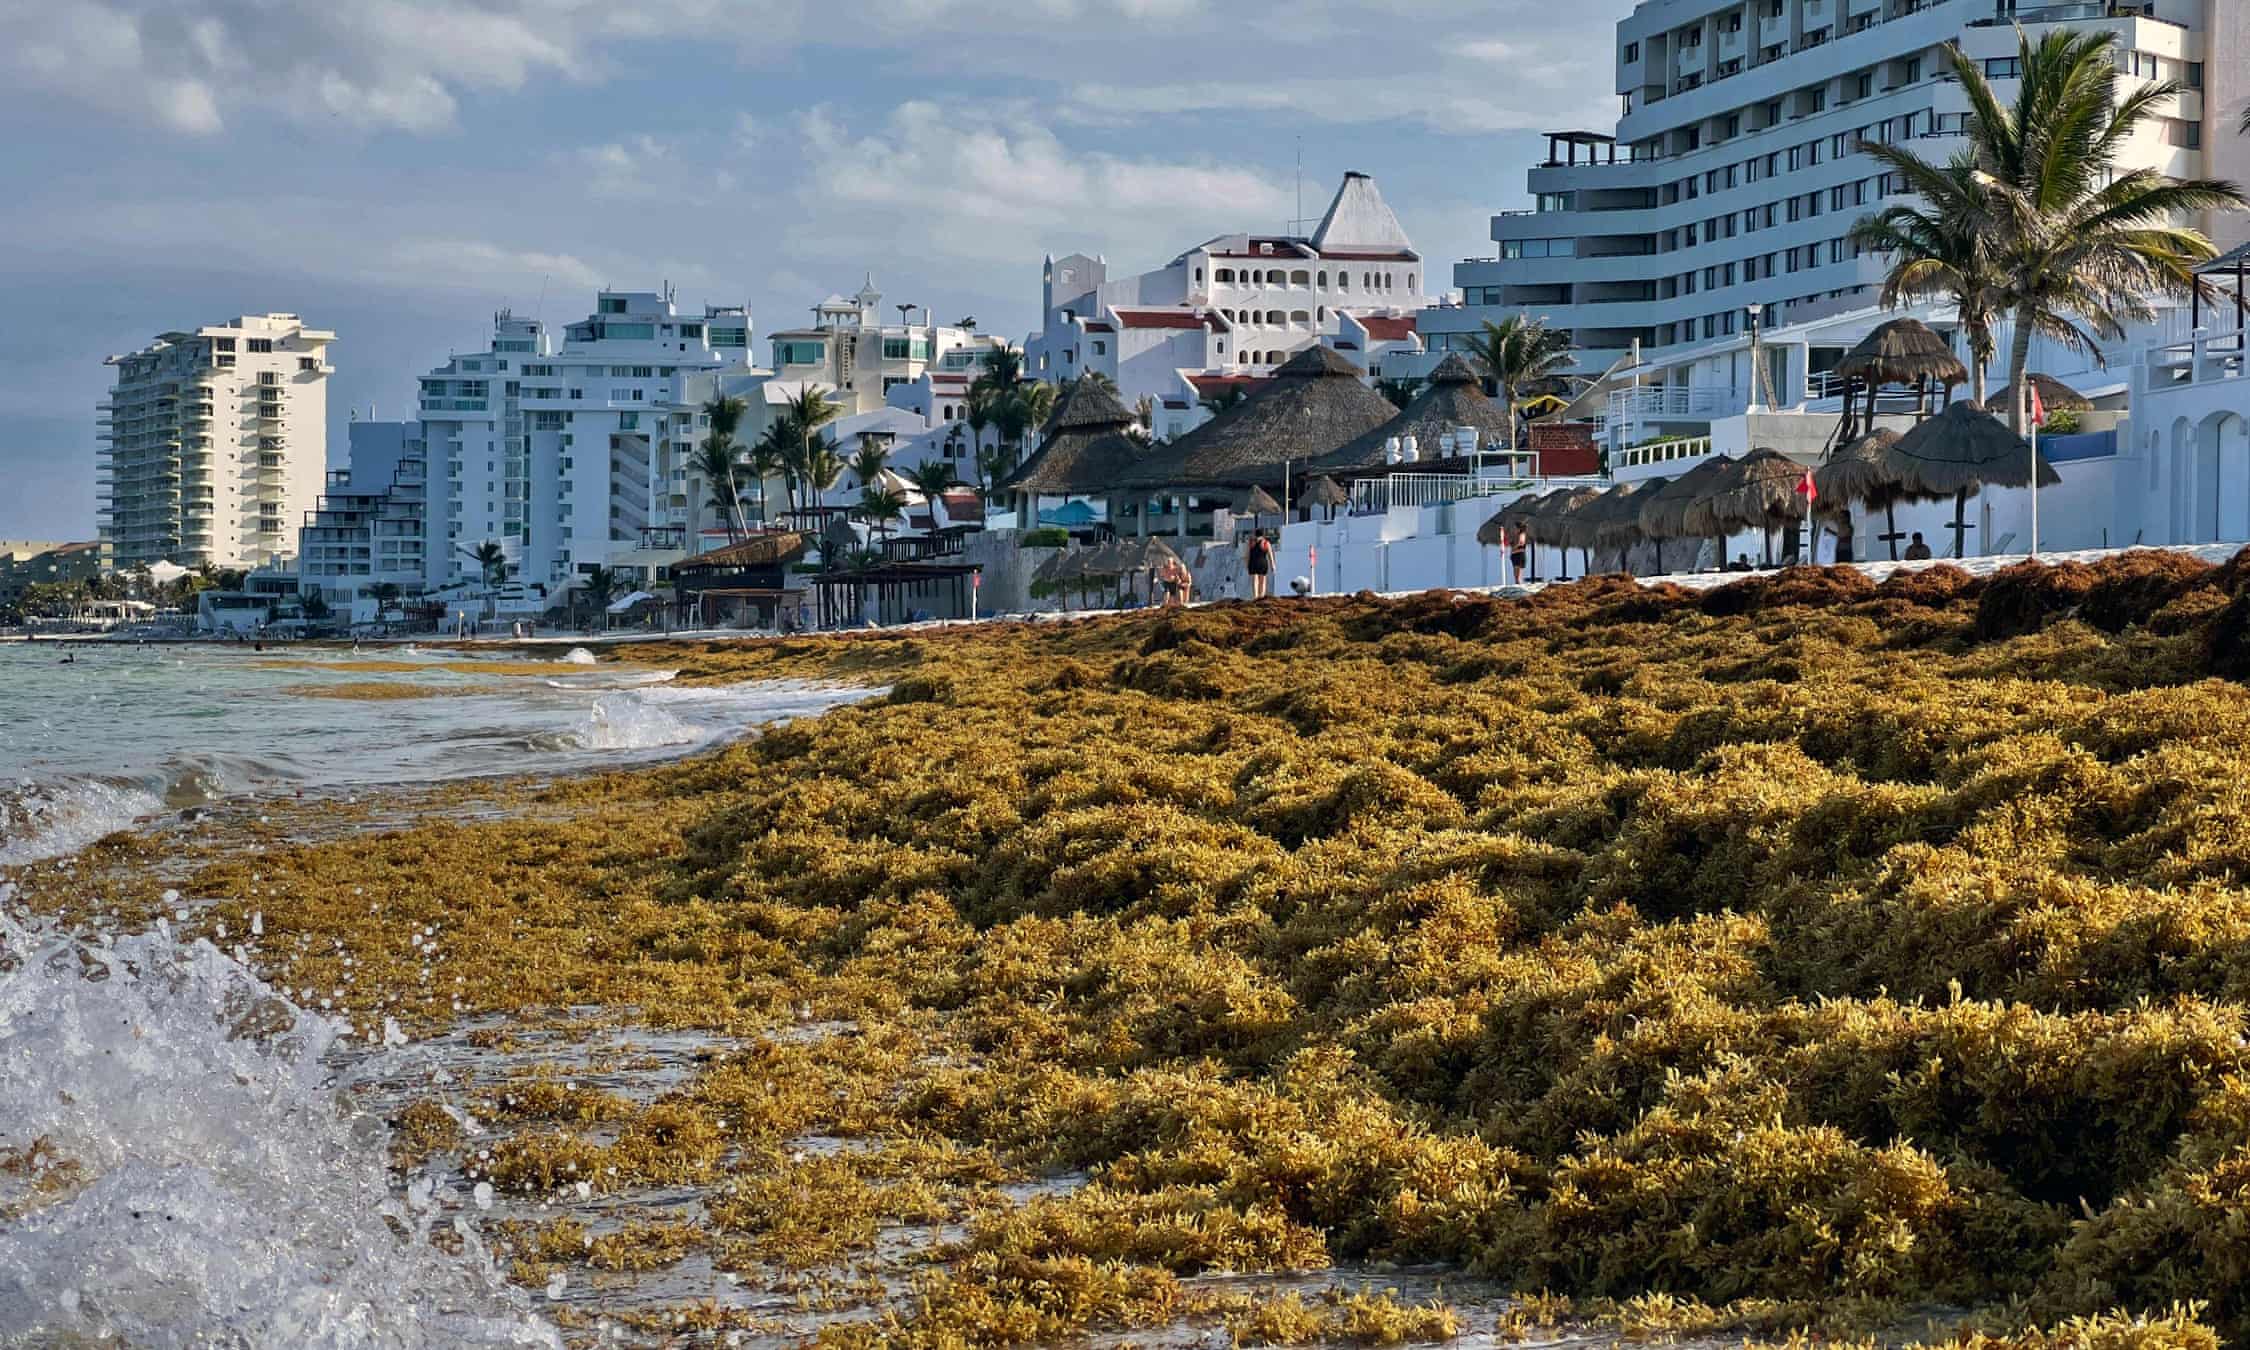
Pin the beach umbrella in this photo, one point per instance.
(1861, 472)
(1663, 515)
(1549, 521)
(2054, 395)
(1758, 490)
(1326, 493)
(1902, 351)
(1960, 451)
(1500, 528)
(1260, 505)
(1616, 519)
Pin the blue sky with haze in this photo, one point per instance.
(398, 169)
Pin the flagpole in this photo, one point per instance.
(2038, 415)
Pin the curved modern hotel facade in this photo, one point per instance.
(1734, 175)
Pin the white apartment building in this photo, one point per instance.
(865, 364)
(613, 421)
(214, 444)
(1734, 175)
(1239, 304)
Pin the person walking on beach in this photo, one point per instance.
(1260, 562)
(1917, 551)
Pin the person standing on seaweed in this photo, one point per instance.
(1260, 562)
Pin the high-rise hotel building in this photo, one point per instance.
(1734, 174)
(214, 444)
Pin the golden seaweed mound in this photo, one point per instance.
(1815, 948)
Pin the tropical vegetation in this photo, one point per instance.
(1518, 354)
(2034, 219)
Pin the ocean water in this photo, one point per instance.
(182, 1162)
(125, 732)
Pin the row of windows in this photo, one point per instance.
(1369, 281)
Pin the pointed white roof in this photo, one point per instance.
(1360, 221)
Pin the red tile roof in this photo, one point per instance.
(1170, 318)
(1206, 384)
(1386, 329)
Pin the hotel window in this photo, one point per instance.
(2003, 68)
(260, 344)
(1632, 52)
(2185, 135)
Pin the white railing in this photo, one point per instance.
(1374, 495)
(1654, 402)
(1663, 452)
(2204, 360)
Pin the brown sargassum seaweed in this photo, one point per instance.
(1813, 948)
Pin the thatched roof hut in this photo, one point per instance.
(1961, 450)
(1755, 491)
(1325, 491)
(1663, 515)
(1904, 351)
(1581, 528)
(1261, 503)
(1313, 405)
(2054, 395)
(1452, 398)
(1085, 448)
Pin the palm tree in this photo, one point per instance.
(386, 594)
(1518, 351)
(879, 506)
(931, 478)
(1940, 248)
(1144, 413)
(764, 462)
(314, 603)
(978, 414)
(1399, 391)
(1003, 369)
(1021, 409)
(2081, 245)
(774, 455)
(809, 410)
(868, 463)
(600, 586)
(821, 467)
(492, 561)
(1100, 380)
(715, 459)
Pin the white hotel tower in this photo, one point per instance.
(215, 444)
(1734, 174)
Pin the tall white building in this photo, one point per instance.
(1236, 305)
(214, 444)
(1734, 175)
(862, 361)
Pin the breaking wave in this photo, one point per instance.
(176, 1168)
(47, 820)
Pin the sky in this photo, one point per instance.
(396, 170)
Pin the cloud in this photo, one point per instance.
(195, 66)
(932, 177)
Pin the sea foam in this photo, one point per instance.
(176, 1168)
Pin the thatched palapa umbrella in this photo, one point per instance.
(1325, 493)
(2054, 396)
(1861, 472)
(1586, 526)
(1759, 489)
(1500, 528)
(1902, 351)
(1960, 451)
(1663, 515)
(1618, 522)
(1549, 522)
(1261, 505)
